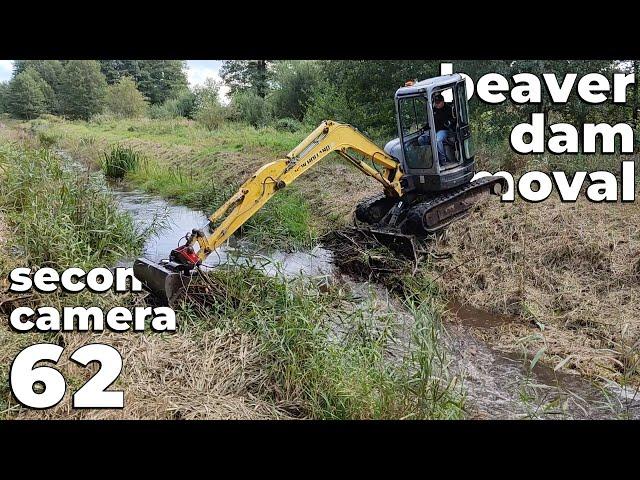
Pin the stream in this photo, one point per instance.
(497, 384)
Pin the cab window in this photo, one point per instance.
(463, 108)
(413, 115)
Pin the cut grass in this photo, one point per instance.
(568, 270)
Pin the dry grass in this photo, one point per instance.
(570, 271)
(182, 376)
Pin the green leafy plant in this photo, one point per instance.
(119, 161)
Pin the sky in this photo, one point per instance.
(197, 72)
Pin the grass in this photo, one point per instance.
(119, 161)
(179, 160)
(338, 370)
(284, 222)
(59, 217)
(182, 132)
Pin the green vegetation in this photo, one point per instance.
(157, 80)
(322, 354)
(247, 76)
(119, 161)
(4, 88)
(209, 112)
(88, 100)
(124, 100)
(331, 362)
(280, 93)
(25, 98)
(59, 218)
(251, 108)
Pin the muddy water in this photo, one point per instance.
(497, 384)
(508, 385)
(175, 221)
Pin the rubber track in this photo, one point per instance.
(415, 217)
(363, 209)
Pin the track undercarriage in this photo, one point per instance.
(399, 222)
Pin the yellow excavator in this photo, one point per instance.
(423, 190)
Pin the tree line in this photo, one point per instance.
(79, 89)
(286, 94)
(361, 92)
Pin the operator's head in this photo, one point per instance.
(438, 101)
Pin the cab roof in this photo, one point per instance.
(428, 85)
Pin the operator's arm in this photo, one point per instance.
(257, 190)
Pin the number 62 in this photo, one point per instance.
(24, 377)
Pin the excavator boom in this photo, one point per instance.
(168, 277)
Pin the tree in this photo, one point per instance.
(294, 85)
(247, 75)
(83, 89)
(114, 70)
(123, 99)
(160, 80)
(361, 92)
(50, 75)
(4, 88)
(25, 98)
(209, 110)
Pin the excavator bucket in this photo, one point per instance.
(162, 280)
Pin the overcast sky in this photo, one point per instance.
(198, 71)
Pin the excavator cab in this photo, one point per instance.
(424, 169)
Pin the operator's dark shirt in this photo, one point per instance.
(443, 115)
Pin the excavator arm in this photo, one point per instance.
(329, 137)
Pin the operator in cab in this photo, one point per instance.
(444, 122)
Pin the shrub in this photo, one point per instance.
(124, 100)
(208, 110)
(211, 115)
(119, 161)
(250, 108)
(181, 105)
(287, 125)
